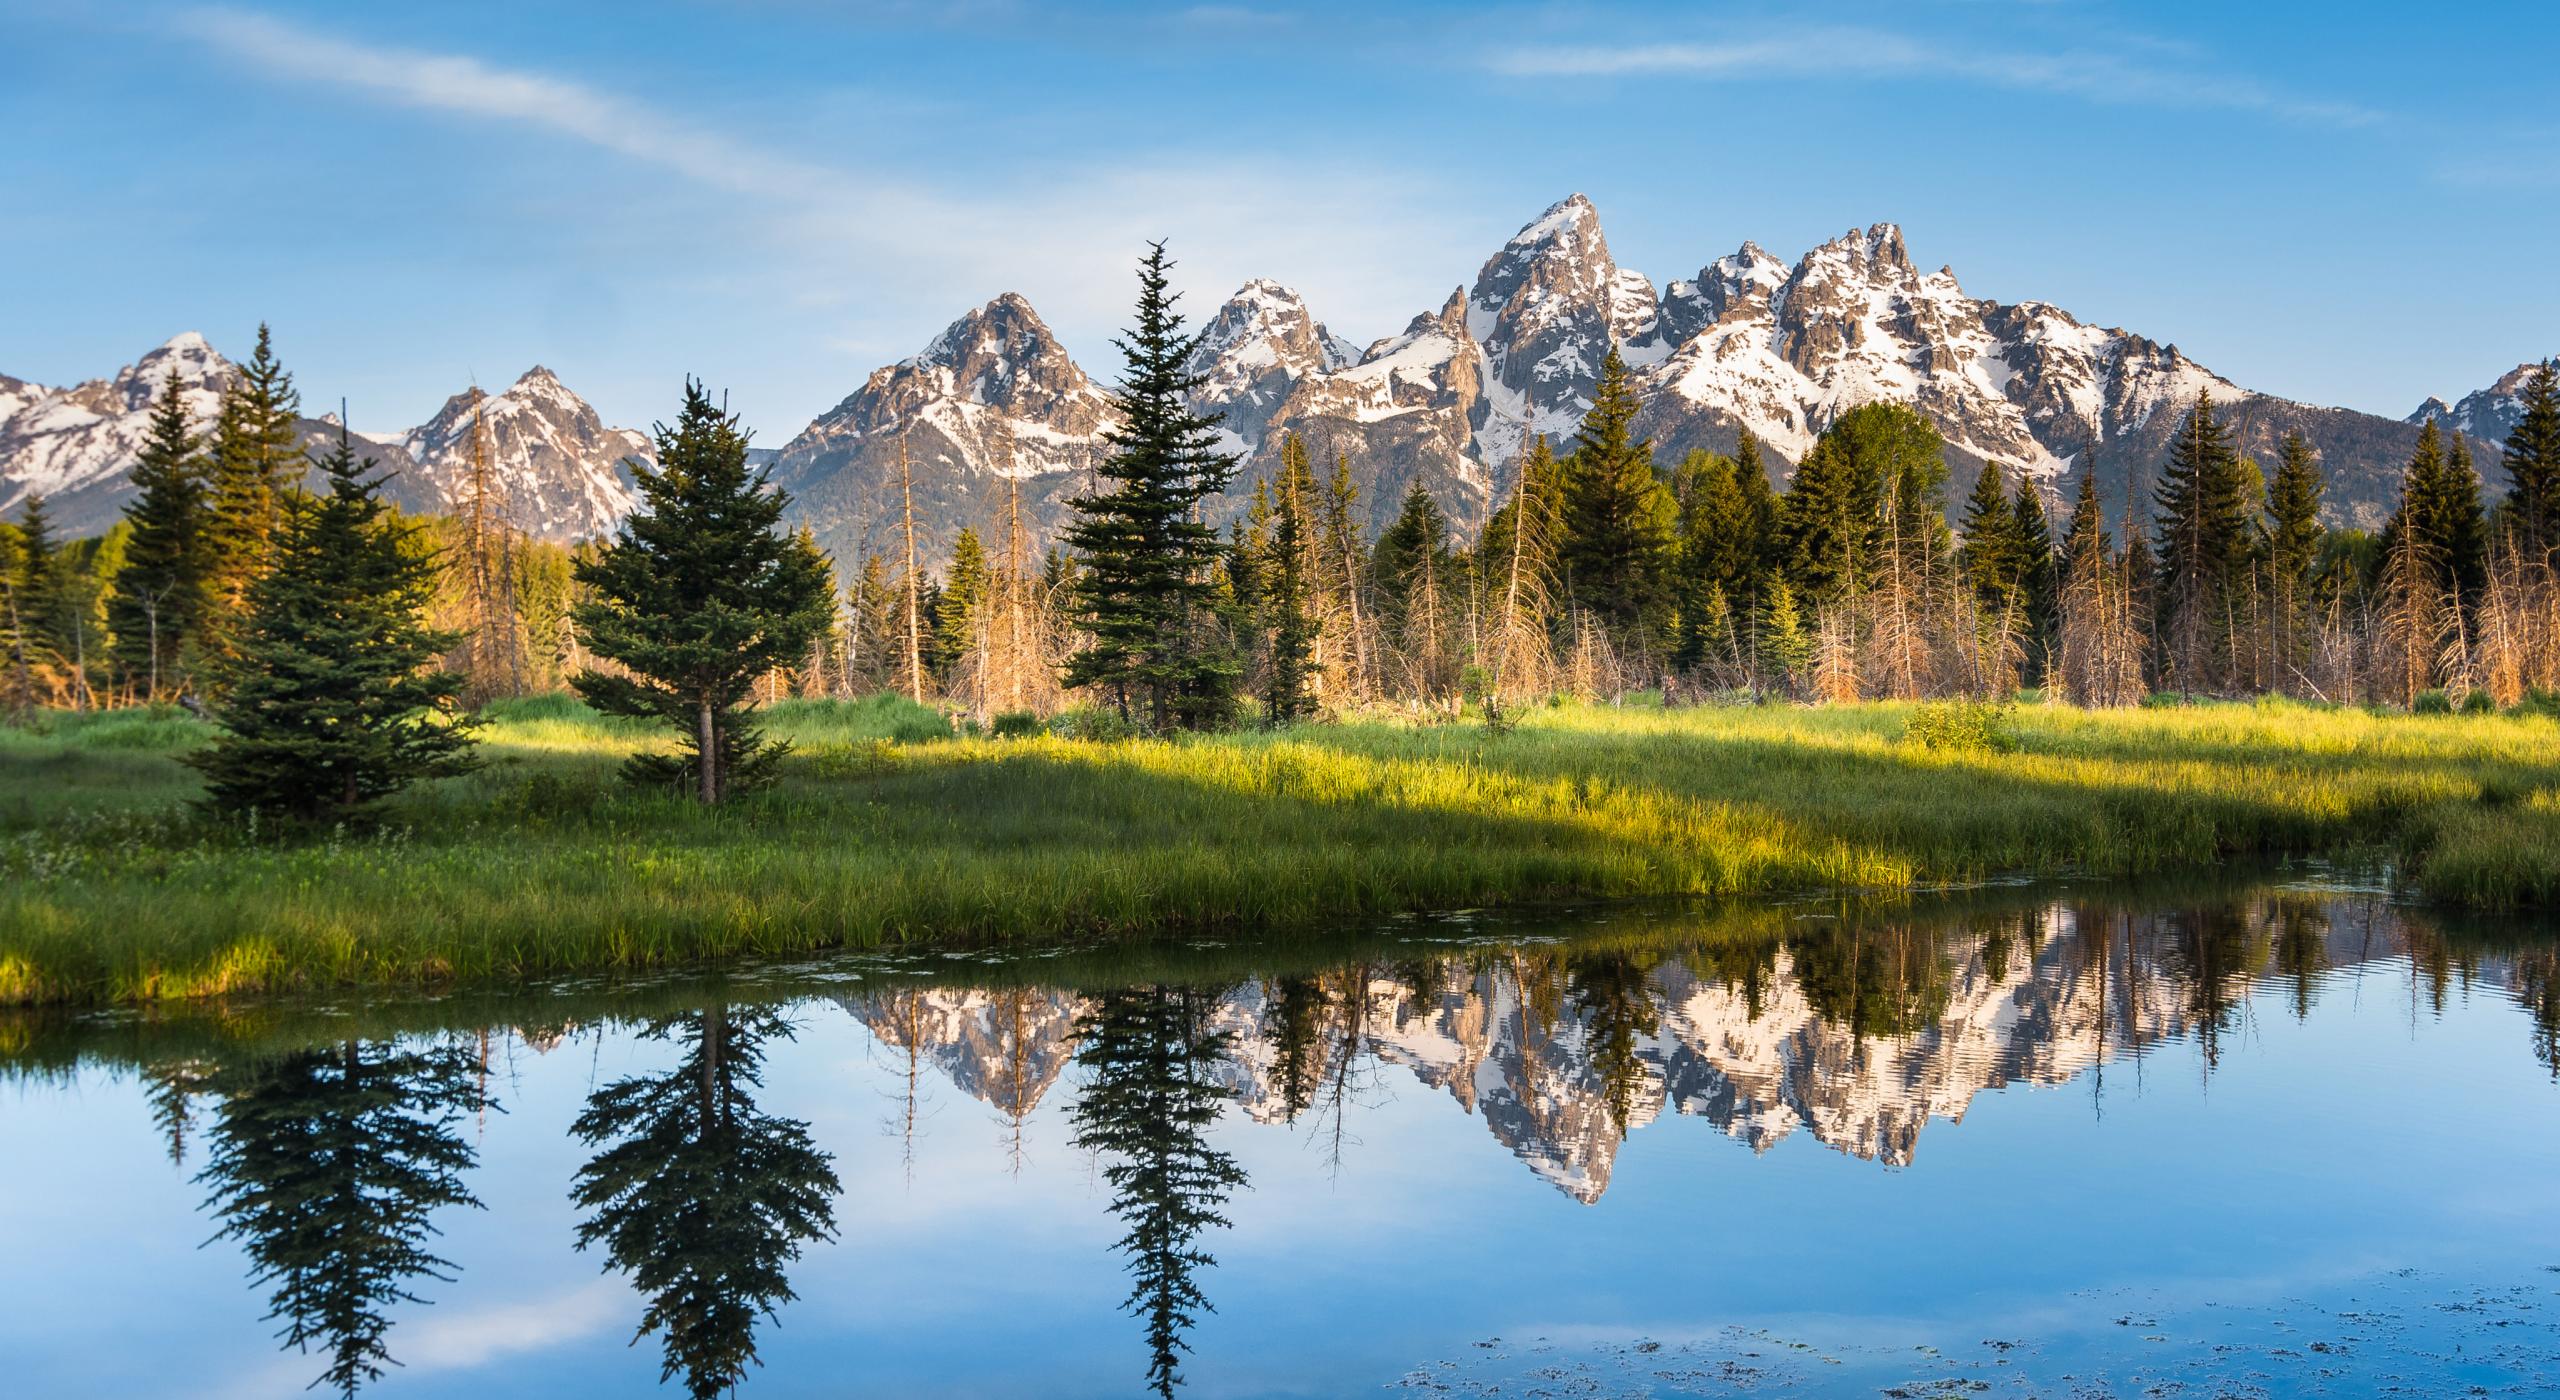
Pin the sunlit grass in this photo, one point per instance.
(881, 832)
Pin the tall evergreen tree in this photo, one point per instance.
(698, 596)
(1832, 519)
(329, 701)
(37, 586)
(1726, 516)
(1990, 553)
(161, 597)
(327, 1166)
(702, 1197)
(955, 608)
(2204, 514)
(2039, 573)
(2292, 549)
(1151, 1054)
(875, 627)
(1148, 587)
(1290, 626)
(2533, 464)
(1616, 550)
(256, 460)
(2440, 508)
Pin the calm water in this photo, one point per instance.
(2029, 1142)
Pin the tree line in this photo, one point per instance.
(341, 646)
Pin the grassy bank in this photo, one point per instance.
(541, 862)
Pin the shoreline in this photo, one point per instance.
(544, 864)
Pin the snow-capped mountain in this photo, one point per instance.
(556, 471)
(2483, 415)
(74, 446)
(1253, 351)
(1563, 1059)
(557, 466)
(994, 400)
(1750, 341)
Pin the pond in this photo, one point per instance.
(2268, 1139)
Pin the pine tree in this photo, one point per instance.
(1153, 1092)
(701, 1196)
(1726, 515)
(2292, 549)
(873, 641)
(2039, 578)
(965, 587)
(33, 590)
(1616, 550)
(1148, 584)
(2461, 529)
(2204, 514)
(256, 461)
(161, 597)
(329, 702)
(1990, 553)
(2533, 463)
(327, 1166)
(1409, 571)
(1786, 647)
(2440, 506)
(1291, 629)
(699, 596)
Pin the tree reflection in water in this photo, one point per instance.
(700, 1197)
(1151, 1095)
(325, 1165)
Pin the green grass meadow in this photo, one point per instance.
(884, 831)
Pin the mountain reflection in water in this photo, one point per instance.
(333, 1147)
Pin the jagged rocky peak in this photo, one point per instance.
(2484, 415)
(1001, 355)
(555, 470)
(1746, 278)
(1549, 305)
(1256, 348)
(75, 445)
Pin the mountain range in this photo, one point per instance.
(1759, 1059)
(555, 469)
(995, 402)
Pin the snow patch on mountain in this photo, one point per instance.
(555, 470)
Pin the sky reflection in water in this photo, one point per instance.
(2028, 1142)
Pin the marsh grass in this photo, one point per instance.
(881, 833)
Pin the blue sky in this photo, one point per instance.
(2338, 203)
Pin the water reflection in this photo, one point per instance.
(328, 1157)
(1151, 1092)
(700, 1196)
(325, 1165)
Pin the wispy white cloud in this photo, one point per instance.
(2088, 74)
(456, 83)
(1067, 239)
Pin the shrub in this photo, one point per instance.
(1961, 726)
(1092, 725)
(1015, 724)
(2479, 703)
(2431, 702)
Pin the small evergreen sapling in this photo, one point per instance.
(697, 599)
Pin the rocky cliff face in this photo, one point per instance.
(993, 403)
(558, 468)
(555, 469)
(2483, 415)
